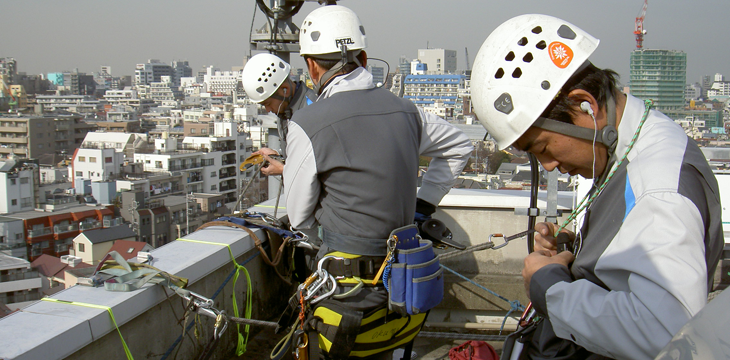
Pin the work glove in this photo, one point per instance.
(424, 210)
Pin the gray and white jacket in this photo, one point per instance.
(353, 159)
(650, 244)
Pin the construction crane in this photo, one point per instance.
(639, 30)
(466, 52)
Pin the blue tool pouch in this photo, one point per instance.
(415, 280)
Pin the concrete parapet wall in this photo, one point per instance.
(149, 318)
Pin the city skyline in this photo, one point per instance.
(46, 36)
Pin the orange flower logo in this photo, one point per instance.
(560, 54)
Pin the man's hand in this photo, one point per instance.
(540, 258)
(265, 151)
(544, 239)
(273, 167)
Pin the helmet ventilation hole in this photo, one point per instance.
(522, 42)
(536, 30)
(517, 73)
(510, 56)
(545, 85)
(499, 74)
(541, 45)
(527, 58)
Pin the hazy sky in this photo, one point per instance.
(52, 36)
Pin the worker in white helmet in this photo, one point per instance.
(352, 169)
(266, 80)
(643, 262)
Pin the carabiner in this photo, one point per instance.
(217, 329)
(495, 247)
(327, 294)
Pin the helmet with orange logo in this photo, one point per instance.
(520, 69)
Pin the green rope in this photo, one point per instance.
(585, 204)
(107, 308)
(242, 341)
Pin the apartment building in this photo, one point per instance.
(18, 281)
(19, 181)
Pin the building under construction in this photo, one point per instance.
(659, 75)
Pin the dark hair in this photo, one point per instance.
(328, 64)
(597, 82)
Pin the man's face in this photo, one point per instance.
(566, 153)
(275, 105)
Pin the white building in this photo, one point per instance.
(222, 153)
(12, 237)
(19, 282)
(19, 183)
(221, 82)
(82, 104)
(125, 143)
(152, 71)
(439, 61)
(97, 164)
(164, 92)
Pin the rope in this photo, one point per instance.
(107, 308)
(458, 336)
(514, 304)
(470, 249)
(241, 347)
(190, 325)
(238, 320)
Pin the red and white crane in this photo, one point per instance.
(639, 30)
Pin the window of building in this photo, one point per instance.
(81, 248)
(24, 180)
(192, 130)
(203, 131)
(158, 164)
(212, 188)
(2, 239)
(108, 159)
(14, 202)
(82, 158)
(213, 174)
(18, 236)
(40, 146)
(92, 159)
(12, 181)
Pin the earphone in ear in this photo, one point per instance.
(586, 107)
(285, 90)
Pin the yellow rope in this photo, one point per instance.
(107, 308)
(241, 346)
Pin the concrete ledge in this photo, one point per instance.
(47, 330)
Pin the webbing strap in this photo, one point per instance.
(107, 308)
(241, 346)
(347, 331)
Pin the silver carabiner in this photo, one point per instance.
(327, 294)
(220, 319)
(495, 247)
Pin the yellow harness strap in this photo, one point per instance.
(107, 308)
(242, 341)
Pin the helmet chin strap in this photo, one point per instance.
(607, 136)
(345, 58)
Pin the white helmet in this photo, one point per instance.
(262, 76)
(520, 69)
(326, 29)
